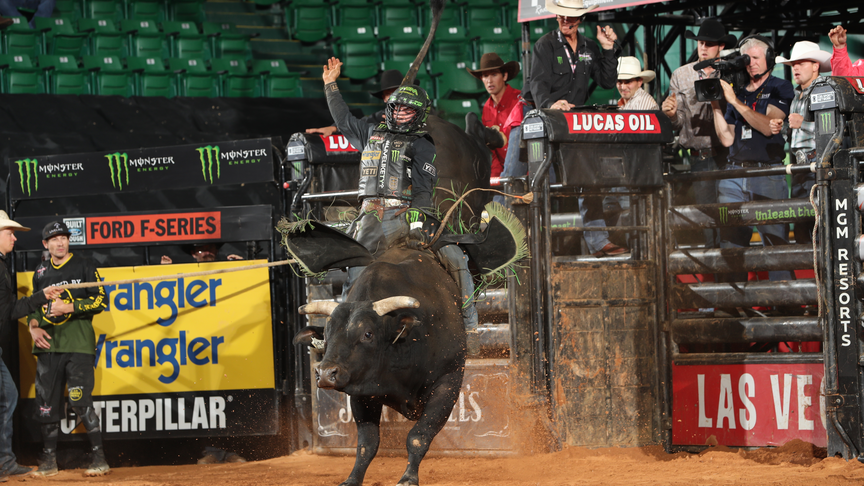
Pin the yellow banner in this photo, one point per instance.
(175, 335)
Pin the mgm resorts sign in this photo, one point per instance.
(158, 168)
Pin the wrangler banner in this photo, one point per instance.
(147, 169)
(181, 357)
(536, 9)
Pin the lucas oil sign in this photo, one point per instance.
(180, 357)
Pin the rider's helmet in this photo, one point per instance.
(415, 99)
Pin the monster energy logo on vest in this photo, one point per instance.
(118, 163)
(209, 156)
(385, 167)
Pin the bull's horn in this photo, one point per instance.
(390, 304)
(325, 307)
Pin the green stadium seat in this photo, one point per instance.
(19, 38)
(187, 10)
(225, 41)
(357, 48)
(477, 15)
(151, 77)
(454, 111)
(67, 9)
(186, 40)
(494, 39)
(538, 30)
(310, 23)
(400, 43)
(59, 36)
(109, 76)
(397, 13)
(452, 78)
(63, 75)
(426, 81)
(450, 17)
(103, 9)
(105, 39)
(145, 10)
(144, 38)
(19, 75)
(355, 15)
(452, 44)
(277, 81)
(235, 78)
(194, 78)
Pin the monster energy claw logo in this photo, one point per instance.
(536, 151)
(827, 121)
(118, 163)
(724, 215)
(27, 169)
(209, 156)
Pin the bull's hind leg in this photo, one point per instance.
(442, 397)
(367, 416)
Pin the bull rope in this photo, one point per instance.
(527, 198)
(84, 285)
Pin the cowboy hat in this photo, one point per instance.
(806, 50)
(629, 67)
(5, 222)
(712, 30)
(390, 80)
(568, 8)
(491, 61)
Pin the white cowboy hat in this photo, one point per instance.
(629, 67)
(809, 51)
(568, 8)
(5, 222)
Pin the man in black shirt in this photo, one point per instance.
(10, 310)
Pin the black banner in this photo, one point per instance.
(147, 169)
(236, 223)
(536, 9)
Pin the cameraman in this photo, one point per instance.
(694, 119)
(746, 130)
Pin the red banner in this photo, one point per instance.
(337, 143)
(610, 123)
(857, 83)
(748, 405)
(144, 228)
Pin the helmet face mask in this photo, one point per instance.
(403, 100)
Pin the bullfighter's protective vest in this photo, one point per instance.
(385, 166)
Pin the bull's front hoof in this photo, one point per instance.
(408, 482)
(351, 482)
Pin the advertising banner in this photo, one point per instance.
(147, 169)
(536, 9)
(748, 405)
(236, 223)
(181, 357)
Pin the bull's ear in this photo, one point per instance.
(405, 324)
(309, 335)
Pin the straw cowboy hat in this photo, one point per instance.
(712, 30)
(808, 51)
(491, 61)
(568, 8)
(629, 67)
(5, 222)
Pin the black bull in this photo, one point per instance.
(397, 340)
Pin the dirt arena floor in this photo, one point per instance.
(796, 463)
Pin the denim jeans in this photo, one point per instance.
(754, 189)
(43, 8)
(591, 209)
(8, 401)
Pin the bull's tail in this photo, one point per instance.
(437, 7)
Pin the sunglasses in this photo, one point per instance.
(569, 19)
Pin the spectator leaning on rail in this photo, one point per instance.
(563, 64)
(807, 61)
(694, 119)
(746, 129)
(841, 65)
(498, 110)
(65, 346)
(10, 310)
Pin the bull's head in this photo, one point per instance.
(354, 335)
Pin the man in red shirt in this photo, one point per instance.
(841, 65)
(502, 110)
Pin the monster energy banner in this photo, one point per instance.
(536, 9)
(148, 169)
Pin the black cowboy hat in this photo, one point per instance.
(491, 61)
(712, 30)
(390, 80)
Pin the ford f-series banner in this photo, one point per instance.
(180, 357)
(147, 169)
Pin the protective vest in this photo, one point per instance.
(385, 166)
